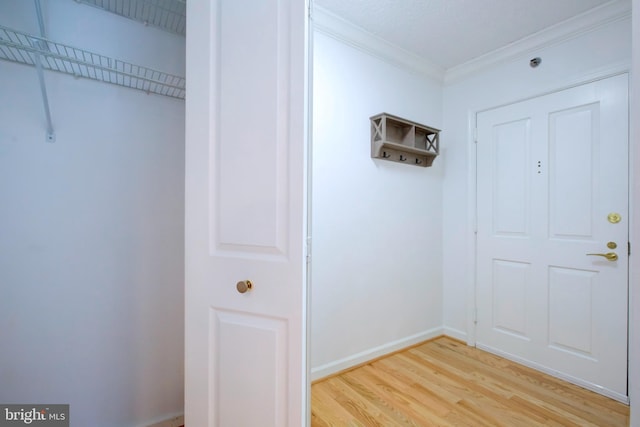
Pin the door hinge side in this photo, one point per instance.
(629, 248)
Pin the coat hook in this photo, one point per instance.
(418, 161)
(385, 155)
(402, 158)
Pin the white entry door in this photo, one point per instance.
(552, 239)
(245, 207)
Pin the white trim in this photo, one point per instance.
(455, 333)
(605, 72)
(634, 238)
(568, 378)
(335, 26)
(588, 21)
(373, 353)
(308, 215)
(354, 36)
(472, 225)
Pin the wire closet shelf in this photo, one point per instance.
(168, 15)
(23, 48)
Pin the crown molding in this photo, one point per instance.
(350, 34)
(586, 22)
(334, 26)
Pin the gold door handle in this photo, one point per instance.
(244, 286)
(610, 256)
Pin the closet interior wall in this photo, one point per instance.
(91, 227)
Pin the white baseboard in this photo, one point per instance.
(174, 421)
(565, 377)
(455, 333)
(373, 353)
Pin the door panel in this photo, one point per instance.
(510, 285)
(550, 171)
(512, 186)
(253, 360)
(572, 141)
(246, 133)
(251, 160)
(571, 309)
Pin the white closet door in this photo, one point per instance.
(551, 170)
(245, 180)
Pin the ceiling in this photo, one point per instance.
(448, 33)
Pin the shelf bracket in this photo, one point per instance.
(51, 136)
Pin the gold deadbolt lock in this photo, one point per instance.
(612, 245)
(614, 218)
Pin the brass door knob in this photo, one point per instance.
(244, 286)
(610, 256)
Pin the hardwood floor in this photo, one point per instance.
(447, 383)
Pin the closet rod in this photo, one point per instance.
(51, 137)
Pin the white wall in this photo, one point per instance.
(594, 54)
(91, 229)
(376, 225)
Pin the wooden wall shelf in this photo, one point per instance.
(400, 140)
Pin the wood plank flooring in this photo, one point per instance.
(446, 383)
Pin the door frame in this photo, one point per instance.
(472, 179)
(306, 310)
(634, 217)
